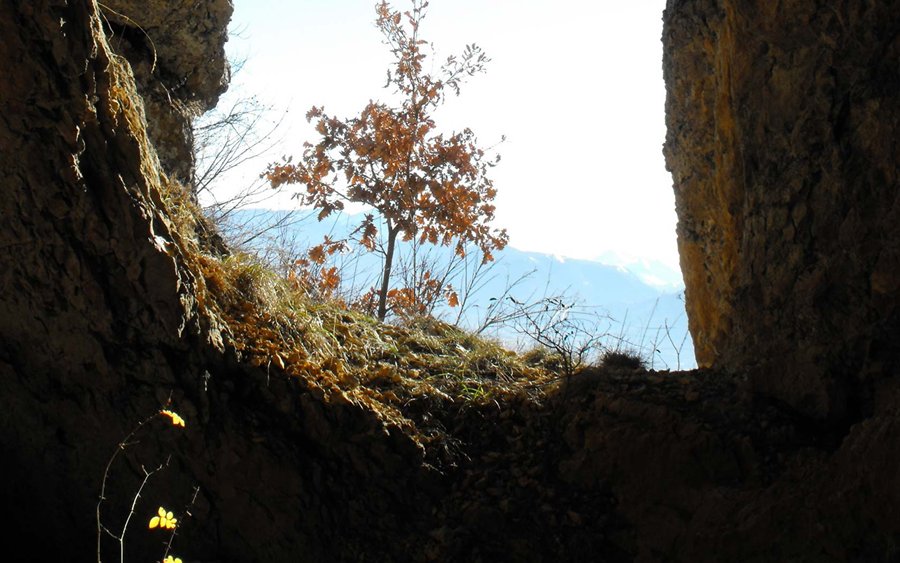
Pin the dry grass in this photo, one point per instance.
(392, 369)
(398, 371)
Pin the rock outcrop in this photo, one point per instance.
(783, 128)
(176, 53)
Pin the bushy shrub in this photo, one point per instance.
(622, 359)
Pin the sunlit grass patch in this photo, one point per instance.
(276, 325)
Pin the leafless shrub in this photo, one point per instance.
(571, 332)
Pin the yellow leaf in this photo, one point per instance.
(163, 520)
(176, 420)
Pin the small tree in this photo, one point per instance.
(422, 184)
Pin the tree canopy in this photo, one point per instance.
(421, 183)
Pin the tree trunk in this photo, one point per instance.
(393, 231)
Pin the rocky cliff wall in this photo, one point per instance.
(176, 54)
(784, 142)
(101, 322)
(108, 309)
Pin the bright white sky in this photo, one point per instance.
(575, 85)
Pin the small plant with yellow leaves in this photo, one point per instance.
(164, 519)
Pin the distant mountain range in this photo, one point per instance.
(642, 303)
(651, 272)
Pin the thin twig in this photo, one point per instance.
(135, 24)
(126, 442)
(187, 513)
(137, 495)
(121, 447)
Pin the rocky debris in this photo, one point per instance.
(782, 140)
(176, 52)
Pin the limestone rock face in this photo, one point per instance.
(176, 52)
(784, 142)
